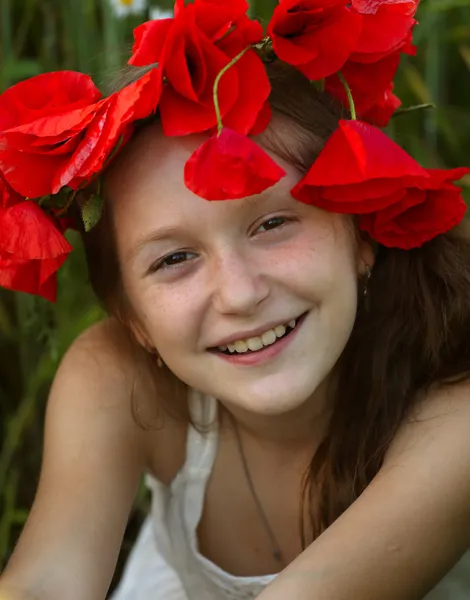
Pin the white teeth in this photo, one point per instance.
(256, 343)
(268, 338)
(241, 347)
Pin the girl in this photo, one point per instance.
(295, 389)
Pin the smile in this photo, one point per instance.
(257, 343)
(261, 348)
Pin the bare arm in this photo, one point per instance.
(410, 526)
(93, 459)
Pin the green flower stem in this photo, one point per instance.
(407, 109)
(216, 87)
(64, 210)
(352, 106)
(41, 201)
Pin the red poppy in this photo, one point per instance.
(382, 111)
(46, 95)
(8, 196)
(230, 166)
(225, 24)
(360, 170)
(55, 141)
(115, 126)
(317, 37)
(192, 49)
(399, 202)
(386, 28)
(368, 82)
(32, 249)
(439, 207)
(386, 34)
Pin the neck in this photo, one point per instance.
(300, 430)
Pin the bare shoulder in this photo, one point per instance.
(94, 454)
(429, 459)
(440, 421)
(97, 372)
(90, 399)
(136, 392)
(105, 344)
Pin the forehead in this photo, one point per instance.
(150, 156)
(147, 180)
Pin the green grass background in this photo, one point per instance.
(85, 35)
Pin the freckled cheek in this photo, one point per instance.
(171, 318)
(319, 265)
(303, 255)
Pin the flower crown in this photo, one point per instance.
(206, 73)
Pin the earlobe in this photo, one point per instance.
(365, 256)
(140, 335)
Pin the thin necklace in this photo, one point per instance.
(276, 551)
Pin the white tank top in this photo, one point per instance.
(165, 563)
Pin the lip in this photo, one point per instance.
(262, 356)
(246, 335)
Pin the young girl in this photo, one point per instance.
(290, 367)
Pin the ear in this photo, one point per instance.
(366, 252)
(140, 334)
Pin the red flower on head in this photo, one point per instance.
(386, 28)
(46, 95)
(382, 111)
(230, 166)
(31, 249)
(386, 34)
(225, 24)
(57, 140)
(439, 207)
(362, 172)
(192, 49)
(8, 196)
(317, 37)
(115, 126)
(368, 82)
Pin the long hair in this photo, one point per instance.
(410, 335)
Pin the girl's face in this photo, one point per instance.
(201, 275)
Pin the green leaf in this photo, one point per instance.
(92, 211)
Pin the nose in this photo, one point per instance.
(238, 283)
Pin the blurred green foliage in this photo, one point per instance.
(85, 35)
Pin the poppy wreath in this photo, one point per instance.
(205, 72)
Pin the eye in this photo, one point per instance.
(171, 261)
(273, 223)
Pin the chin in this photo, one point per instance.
(276, 397)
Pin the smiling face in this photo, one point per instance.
(200, 275)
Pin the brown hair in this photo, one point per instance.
(411, 335)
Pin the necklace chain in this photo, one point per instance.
(276, 550)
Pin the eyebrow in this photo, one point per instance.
(156, 236)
